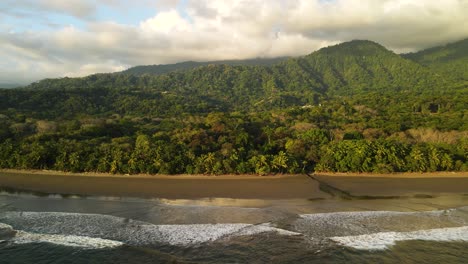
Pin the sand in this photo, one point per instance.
(236, 186)
(165, 186)
(438, 174)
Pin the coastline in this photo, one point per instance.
(164, 186)
(300, 186)
(409, 175)
(438, 174)
(148, 176)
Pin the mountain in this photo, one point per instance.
(188, 65)
(353, 68)
(9, 85)
(450, 60)
(364, 66)
(352, 107)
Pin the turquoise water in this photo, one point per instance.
(74, 229)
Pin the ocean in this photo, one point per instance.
(91, 229)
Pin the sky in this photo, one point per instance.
(58, 38)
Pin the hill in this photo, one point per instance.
(362, 66)
(188, 65)
(9, 85)
(450, 60)
(351, 68)
(352, 107)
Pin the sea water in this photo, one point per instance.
(54, 229)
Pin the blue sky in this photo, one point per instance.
(25, 17)
(56, 38)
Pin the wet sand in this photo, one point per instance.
(438, 174)
(170, 187)
(239, 186)
(416, 186)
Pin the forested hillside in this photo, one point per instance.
(450, 60)
(352, 107)
(188, 65)
(9, 85)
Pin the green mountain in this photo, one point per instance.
(450, 60)
(10, 85)
(188, 65)
(353, 107)
(365, 66)
(351, 68)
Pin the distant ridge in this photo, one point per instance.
(355, 68)
(9, 85)
(188, 65)
(352, 107)
(364, 66)
(450, 59)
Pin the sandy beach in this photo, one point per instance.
(237, 186)
(165, 186)
(438, 174)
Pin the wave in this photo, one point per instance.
(130, 231)
(342, 224)
(7, 233)
(184, 235)
(65, 240)
(366, 230)
(384, 240)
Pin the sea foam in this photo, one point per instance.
(191, 234)
(130, 231)
(6, 231)
(343, 224)
(384, 240)
(65, 240)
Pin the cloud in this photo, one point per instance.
(217, 29)
(398, 24)
(88, 69)
(76, 8)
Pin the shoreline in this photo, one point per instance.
(165, 186)
(276, 187)
(148, 176)
(410, 175)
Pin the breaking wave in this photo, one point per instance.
(69, 240)
(93, 229)
(372, 230)
(383, 240)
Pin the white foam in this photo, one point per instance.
(65, 240)
(377, 214)
(383, 240)
(358, 214)
(6, 231)
(129, 231)
(264, 228)
(194, 234)
(5, 227)
(184, 235)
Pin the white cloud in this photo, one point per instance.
(77, 8)
(88, 69)
(220, 29)
(167, 22)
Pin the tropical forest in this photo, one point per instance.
(352, 107)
